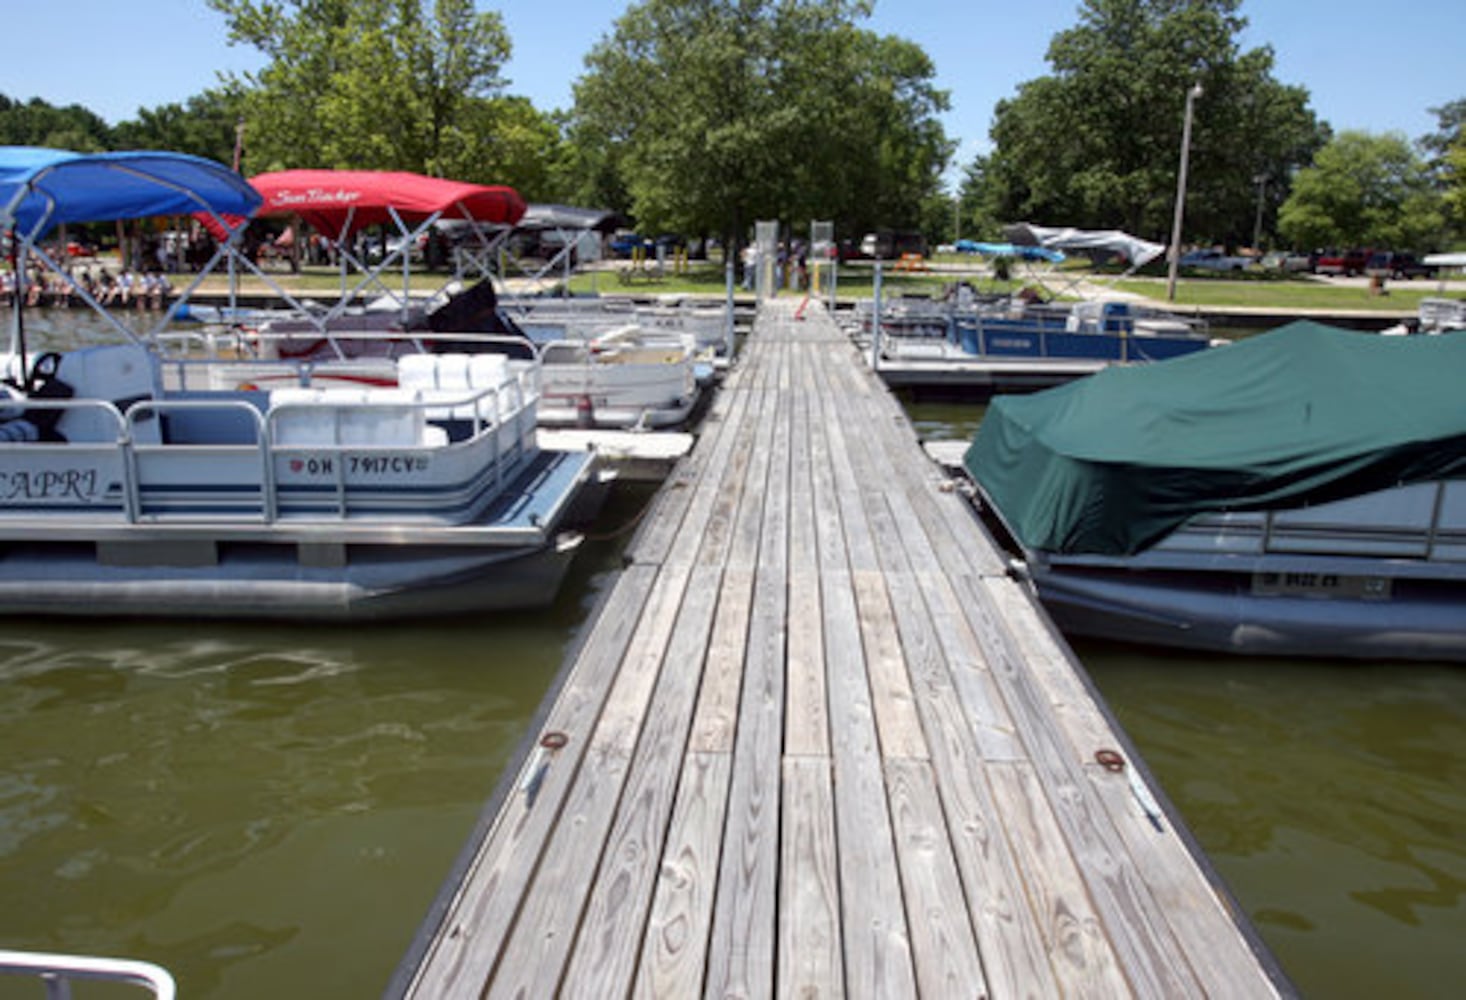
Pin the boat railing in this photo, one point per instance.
(57, 972)
(245, 442)
(98, 421)
(156, 410)
(323, 423)
(1420, 521)
(207, 341)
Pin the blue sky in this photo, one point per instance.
(1367, 64)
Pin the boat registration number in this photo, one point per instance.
(1360, 588)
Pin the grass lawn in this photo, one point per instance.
(1399, 296)
(857, 282)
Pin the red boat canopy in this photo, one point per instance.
(337, 203)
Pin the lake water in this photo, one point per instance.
(268, 811)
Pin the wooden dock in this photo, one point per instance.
(817, 742)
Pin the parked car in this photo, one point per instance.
(623, 244)
(1345, 262)
(1214, 260)
(1388, 264)
(1290, 261)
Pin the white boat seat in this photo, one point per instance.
(120, 374)
(445, 377)
(386, 418)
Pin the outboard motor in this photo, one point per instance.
(474, 310)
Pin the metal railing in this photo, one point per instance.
(481, 408)
(57, 972)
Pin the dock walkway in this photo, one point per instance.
(816, 742)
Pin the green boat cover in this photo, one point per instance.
(1304, 414)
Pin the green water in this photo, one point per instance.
(269, 811)
(247, 806)
(1331, 797)
(265, 811)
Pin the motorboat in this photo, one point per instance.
(1018, 343)
(607, 376)
(621, 377)
(131, 484)
(1433, 315)
(1031, 338)
(1300, 493)
(671, 318)
(1105, 330)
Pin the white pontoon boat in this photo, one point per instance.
(128, 486)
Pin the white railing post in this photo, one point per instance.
(875, 323)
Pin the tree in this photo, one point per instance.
(1455, 194)
(37, 123)
(1364, 190)
(978, 195)
(701, 116)
(205, 125)
(1449, 132)
(372, 84)
(1097, 142)
(1445, 150)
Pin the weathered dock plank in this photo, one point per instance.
(816, 742)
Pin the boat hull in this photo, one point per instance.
(1353, 612)
(513, 555)
(269, 582)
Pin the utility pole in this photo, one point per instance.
(1191, 96)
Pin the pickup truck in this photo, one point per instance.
(1345, 262)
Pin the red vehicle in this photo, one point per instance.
(1345, 262)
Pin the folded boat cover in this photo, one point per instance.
(1305, 414)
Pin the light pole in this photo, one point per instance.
(1191, 96)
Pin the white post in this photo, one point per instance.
(875, 323)
(728, 309)
(1191, 96)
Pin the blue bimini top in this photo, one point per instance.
(43, 188)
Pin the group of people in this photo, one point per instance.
(791, 265)
(149, 290)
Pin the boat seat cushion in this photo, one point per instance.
(452, 378)
(387, 418)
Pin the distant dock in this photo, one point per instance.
(816, 742)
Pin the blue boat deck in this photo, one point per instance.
(817, 742)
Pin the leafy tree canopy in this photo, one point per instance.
(703, 115)
(36, 123)
(1097, 143)
(1365, 190)
(1445, 150)
(381, 85)
(206, 125)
